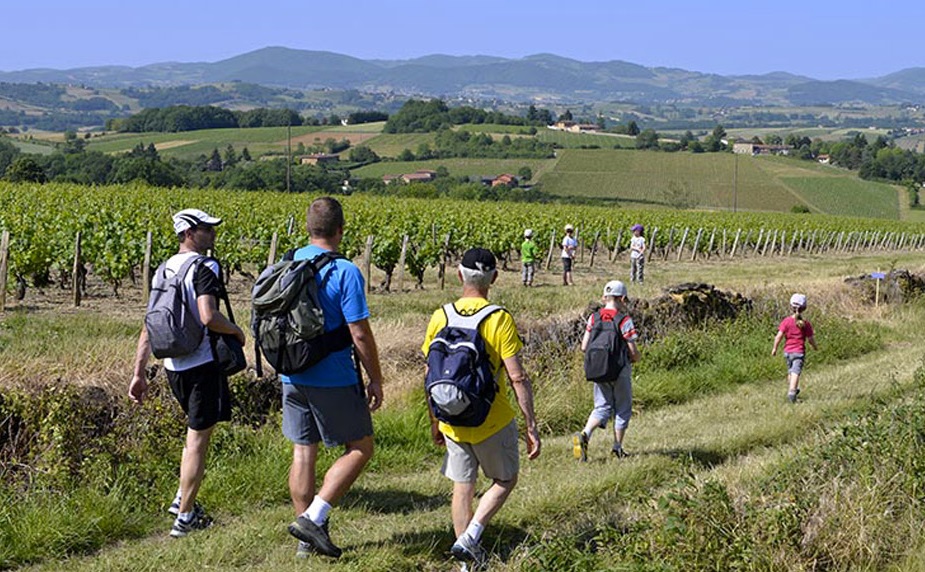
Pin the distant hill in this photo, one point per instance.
(545, 77)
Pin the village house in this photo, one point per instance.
(419, 176)
(504, 180)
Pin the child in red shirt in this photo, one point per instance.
(797, 332)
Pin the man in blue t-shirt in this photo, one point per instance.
(327, 402)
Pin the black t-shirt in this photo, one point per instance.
(205, 282)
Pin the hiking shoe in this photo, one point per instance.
(199, 521)
(466, 550)
(174, 507)
(580, 446)
(304, 550)
(792, 397)
(307, 531)
(618, 452)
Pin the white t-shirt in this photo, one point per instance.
(569, 245)
(202, 354)
(637, 246)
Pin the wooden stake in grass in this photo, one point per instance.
(401, 263)
(4, 264)
(647, 255)
(271, 256)
(444, 259)
(735, 244)
(552, 246)
(367, 261)
(696, 244)
(681, 246)
(594, 248)
(75, 276)
(145, 269)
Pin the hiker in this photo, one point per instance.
(610, 350)
(528, 252)
(637, 253)
(490, 440)
(196, 380)
(797, 331)
(327, 402)
(569, 245)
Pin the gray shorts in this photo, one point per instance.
(334, 415)
(566, 264)
(794, 363)
(614, 399)
(498, 456)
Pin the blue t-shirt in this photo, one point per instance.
(343, 300)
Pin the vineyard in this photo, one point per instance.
(43, 221)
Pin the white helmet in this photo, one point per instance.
(528, 233)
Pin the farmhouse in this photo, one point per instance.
(318, 159)
(504, 180)
(419, 176)
(759, 149)
(573, 127)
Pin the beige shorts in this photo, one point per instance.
(498, 456)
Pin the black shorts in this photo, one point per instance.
(566, 265)
(203, 394)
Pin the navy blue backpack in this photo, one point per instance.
(459, 385)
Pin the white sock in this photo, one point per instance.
(474, 530)
(185, 516)
(178, 497)
(588, 430)
(318, 511)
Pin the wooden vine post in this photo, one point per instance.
(367, 262)
(594, 248)
(444, 259)
(271, 256)
(552, 246)
(4, 266)
(75, 276)
(145, 269)
(401, 263)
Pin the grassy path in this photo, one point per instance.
(401, 521)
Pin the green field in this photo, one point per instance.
(568, 140)
(457, 167)
(717, 181)
(391, 144)
(189, 144)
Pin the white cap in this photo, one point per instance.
(569, 227)
(798, 300)
(188, 218)
(528, 233)
(615, 288)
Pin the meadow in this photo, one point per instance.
(725, 474)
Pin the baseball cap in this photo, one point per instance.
(528, 233)
(615, 288)
(569, 227)
(479, 259)
(637, 227)
(189, 218)
(798, 300)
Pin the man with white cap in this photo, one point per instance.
(613, 398)
(569, 246)
(196, 380)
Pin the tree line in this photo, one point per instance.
(420, 116)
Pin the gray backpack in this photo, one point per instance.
(173, 330)
(287, 320)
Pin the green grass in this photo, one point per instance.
(392, 144)
(456, 167)
(34, 148)
(577, 140)
(258, 140)
(849, 197)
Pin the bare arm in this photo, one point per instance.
(138, 387)
(214, 320)
(523, 389)
(584, 340)
(365, 345)
(777, 339)
(812, 342)
(634, 354)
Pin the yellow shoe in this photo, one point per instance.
(580, 446)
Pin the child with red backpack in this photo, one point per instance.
(797, 332)
(610, 350)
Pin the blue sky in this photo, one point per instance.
(821, 39)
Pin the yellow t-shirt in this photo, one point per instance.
(502, 341)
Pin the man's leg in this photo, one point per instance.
(346, 469)
(302, 476)
(192, 466)
(492, 501)
(463, 494)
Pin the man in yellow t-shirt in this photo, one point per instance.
(493, 444)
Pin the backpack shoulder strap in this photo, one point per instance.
(455, 319)
(185, 268)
